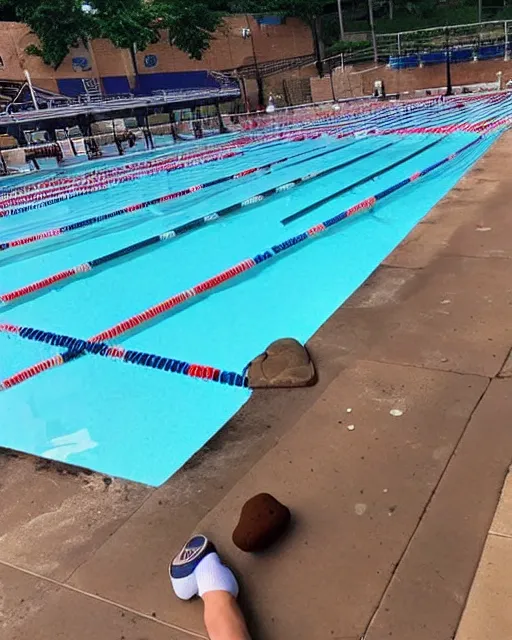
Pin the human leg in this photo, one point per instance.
(198, 570)
(223, 618)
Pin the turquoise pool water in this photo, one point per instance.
(143, 424)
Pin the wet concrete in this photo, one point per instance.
(390, 516)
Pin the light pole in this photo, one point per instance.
(331, 69)
(507, 56)
(372, 28)
(340, 18)
(259, 80)
(449, 88)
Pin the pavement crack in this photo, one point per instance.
(98, 598)
(424, 511)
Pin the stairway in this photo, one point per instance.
(92, 89)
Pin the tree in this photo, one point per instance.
(422, 8)
(125, 23)
(59, 24)
(191, 23)
(62, 24)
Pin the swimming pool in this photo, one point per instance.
(142, 423)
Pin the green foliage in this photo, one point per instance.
(422, 8)
(419, 14)
(191, 24)
(503, 14)
(347, 46)
(307, 10)
(62, 24)
(125, 23)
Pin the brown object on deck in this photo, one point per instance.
(285, 363)
(263, 520)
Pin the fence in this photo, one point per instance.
(423, 47)
(465, 43)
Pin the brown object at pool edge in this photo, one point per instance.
(284, 364)
(263, 520)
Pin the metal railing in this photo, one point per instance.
(473, 35)
(403, 49)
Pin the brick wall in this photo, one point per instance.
(228, 51)
(350, 84)
(290, 85)
(345, 85)
(435, 76)
(14, 38)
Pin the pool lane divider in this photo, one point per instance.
(140, 169)
(58, 231)
(224, 276)
(102, 186)
(194, 224)
(254, 141)
(39, 200)
(302, 212)
(127, 325)
(87, 222)
(130, 356)
(46, 189)
(102, 181)
(322, 153)
(133, 168)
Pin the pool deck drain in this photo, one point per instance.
(390, 517)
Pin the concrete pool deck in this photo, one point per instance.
(390, 518)
(487, 613)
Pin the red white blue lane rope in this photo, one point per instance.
(375, 114)
(381, 118)
(76, 347)
(87, 222)
(101, 186)
(47, 189)
(128, 324)
(406, 117)
(191, 225)
(245, 265)
(58, 231)
(100, 181)
(130, 168)
(445, 115)
(57, 194)
(50, 192)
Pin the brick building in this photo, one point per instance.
(161, 66)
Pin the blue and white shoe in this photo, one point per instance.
(182, 567)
